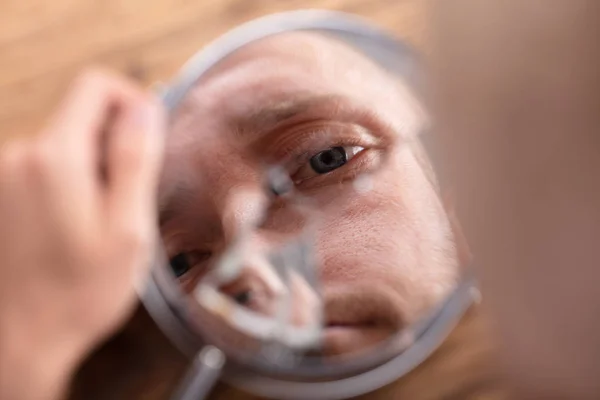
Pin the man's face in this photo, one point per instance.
(345, 132)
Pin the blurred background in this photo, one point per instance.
(44, 43)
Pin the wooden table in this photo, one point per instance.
(44, 43)
(42, 46)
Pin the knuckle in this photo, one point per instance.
(91, 76)
(134, 241)
(95, 79)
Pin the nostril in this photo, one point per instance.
(243, 298)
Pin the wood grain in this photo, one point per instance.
(42, 46)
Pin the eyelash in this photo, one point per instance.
(198, 267)
(306, 164)
(313, 139)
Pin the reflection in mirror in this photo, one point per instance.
(298, 207)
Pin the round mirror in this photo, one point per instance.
(310, 247)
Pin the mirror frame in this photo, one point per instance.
(161, 297)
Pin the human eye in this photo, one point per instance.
(247, 292)
(320, 152)
(326, 161)
(183, 262)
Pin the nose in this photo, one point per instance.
(260, 289)
(258, 285)
(243, 209)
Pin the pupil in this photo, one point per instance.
(179, 265)
(328, 160)
(242, 298)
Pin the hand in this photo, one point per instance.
(73, 236)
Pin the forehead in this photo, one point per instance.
(281, 70)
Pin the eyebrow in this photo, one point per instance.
(266, 117)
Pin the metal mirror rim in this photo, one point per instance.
(391, 54)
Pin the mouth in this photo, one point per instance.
(345, 339)
(358, 320)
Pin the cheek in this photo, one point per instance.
(363, 239)
(397, 234)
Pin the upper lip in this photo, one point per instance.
(363, 307)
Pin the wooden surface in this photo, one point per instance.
(140, 364)
(44, 43)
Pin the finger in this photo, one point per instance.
(134, 155)
(81, 117)
(73, 139)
